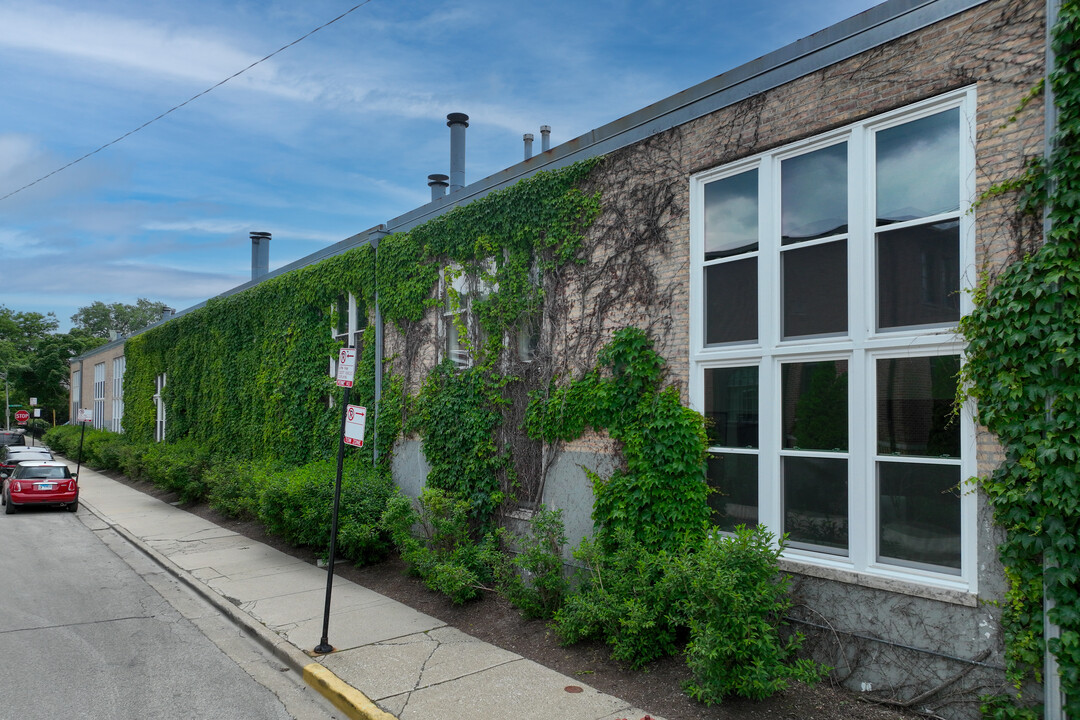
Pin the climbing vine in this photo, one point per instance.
(1022, 368)
(658, 497)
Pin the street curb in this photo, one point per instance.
(343, 696)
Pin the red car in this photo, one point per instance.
(40, 482)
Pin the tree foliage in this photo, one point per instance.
(98, 319)
(34, 357)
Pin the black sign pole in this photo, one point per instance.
(324, 645)
(82, 434)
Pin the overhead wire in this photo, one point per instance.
(189, 100)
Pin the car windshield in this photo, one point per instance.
(43, 472)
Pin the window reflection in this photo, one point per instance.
(915, 399)
(731, 403)
(813, 194)
(731, 215)
(815, 405)
(918, 168)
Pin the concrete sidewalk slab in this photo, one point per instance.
(412, 665)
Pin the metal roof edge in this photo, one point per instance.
(869, 29)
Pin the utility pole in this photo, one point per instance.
(7, 405)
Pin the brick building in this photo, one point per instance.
(810, 229)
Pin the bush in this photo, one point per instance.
(298, 503)
(178, 467)
(735, 602)
(442, 553)
(235, 487)
(533, 580)
(627, 599)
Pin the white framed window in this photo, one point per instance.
(99, 395)
(350, 320)
(119, 366)
(462, 334)
(825, 290)
(159, 405)
(76, 394)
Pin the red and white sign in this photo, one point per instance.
(346, 367)
(355, 416)
(85, 415)
(21, 416)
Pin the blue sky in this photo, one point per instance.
(328, 138)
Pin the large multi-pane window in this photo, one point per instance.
(826, 286)
(119, 366)
(99, 395)
(76, 394)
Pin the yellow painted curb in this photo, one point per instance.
(345, 697)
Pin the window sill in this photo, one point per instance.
(953, 596)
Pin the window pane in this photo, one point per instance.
(915, 406)
(918, 168)
(342, 310)
(815, 290)
(813, 194)
(454, 349)
(919, 513)
(734, 479)
(919, 275)
(815, 405)
(815, 502)
(731, 215)
(731, 402)
(731, 305)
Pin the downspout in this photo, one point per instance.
(374, 239)
(1053, 700)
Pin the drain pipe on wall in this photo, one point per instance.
(374, 237)
(1052, 696)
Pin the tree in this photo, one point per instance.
(98, 319)
(34, 358)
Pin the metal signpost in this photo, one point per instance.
(84, 417)
(346, 369)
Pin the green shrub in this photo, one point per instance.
(436, 544)
(297, 504)
(178, 467)
(627, 599)
(235, 487)
(735, 602)
(533, 580)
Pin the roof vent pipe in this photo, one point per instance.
(260, 254)
(457, 122)
(528, 137)
(545, 138)
(437, 183)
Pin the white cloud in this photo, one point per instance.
(199, 56)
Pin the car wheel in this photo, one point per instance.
(9, 509)
(72, 507)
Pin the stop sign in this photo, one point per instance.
(21, 416)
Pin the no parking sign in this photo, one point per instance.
(355, 416)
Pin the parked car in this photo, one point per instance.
(40, 482)
(12, 455)
(12, 437)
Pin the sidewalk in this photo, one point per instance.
(390, 661)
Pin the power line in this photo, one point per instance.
(190, 99)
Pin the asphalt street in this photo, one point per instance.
(86, 631)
